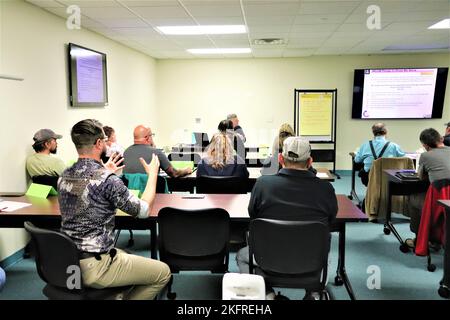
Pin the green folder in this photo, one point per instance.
(182, 164)
(41, 191)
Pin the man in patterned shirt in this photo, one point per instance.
(89, 194)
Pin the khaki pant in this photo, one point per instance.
(146, 275)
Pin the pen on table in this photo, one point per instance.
(2, 209)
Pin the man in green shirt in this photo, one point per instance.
(43, 163)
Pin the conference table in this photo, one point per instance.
(187, 183)
(444, 288)
(45, 213)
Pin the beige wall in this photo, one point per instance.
(33, 45)
(261, 92)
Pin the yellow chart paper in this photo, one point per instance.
(316, 114)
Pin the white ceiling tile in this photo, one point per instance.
(406, 27)
(45, 3)
(230, 43)
(273, 29)
(107, 13)
(310, 35)
(309, 27)
(123, 23)
(305, 43)
(209, 2)
(329, 7)
(144, 32)
(271, 21)
(219, 20)
(215, 10)
(90, 3)
(161, 12)
(149, 3)
(281, 9)
(314, 28)
(171, 22)
(320, 18)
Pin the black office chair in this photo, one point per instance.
(227, 185)
(290, 254)
(193, 240)
(185, 156)
(46, 180)
(55, 253)
(221, 185)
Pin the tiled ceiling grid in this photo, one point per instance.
(308, 27)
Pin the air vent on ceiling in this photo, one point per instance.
(269, 41)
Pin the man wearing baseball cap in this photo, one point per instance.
(43, 162)
(447, 135)
(294, 194)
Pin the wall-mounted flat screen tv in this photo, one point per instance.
(87, 77)
(401, 93)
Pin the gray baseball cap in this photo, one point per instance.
(447, 124)
(44, 135)
(296, 149)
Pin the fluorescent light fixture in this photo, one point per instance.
(219, 50)
(444, 24)
(199, 30)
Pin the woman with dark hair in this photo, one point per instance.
(226, 127)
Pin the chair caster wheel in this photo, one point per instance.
(338, 281)
(404, 248)
(130, 243)
(431, 267)
(444, 292)
(386, 231)
(171, 295)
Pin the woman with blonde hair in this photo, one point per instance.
(271, 165)
(220, 159)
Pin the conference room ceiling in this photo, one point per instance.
(307, 27)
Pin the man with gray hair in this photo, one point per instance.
(236, 127)
(89, 194)
(293, 194)
(379, 147)
(43, 162)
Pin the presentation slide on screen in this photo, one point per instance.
(398, 93)
(90, 77)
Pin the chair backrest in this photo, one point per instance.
(194, 239)
(377, 191)
(185, 156)
(289, 248)
(221, 185)
(55, 252)
(138, 181)
(47, 180)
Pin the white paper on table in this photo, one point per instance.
(321, 175)
(10, 206)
